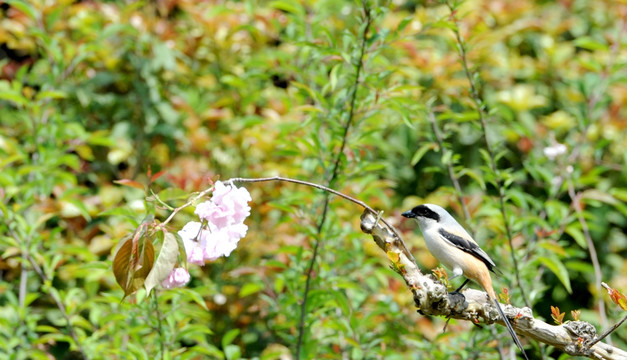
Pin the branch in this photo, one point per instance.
(188, 203)
(575, 338)
(321, 187)
(609, 331)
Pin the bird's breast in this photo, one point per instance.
(444, 252)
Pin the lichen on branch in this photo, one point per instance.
(432, 298)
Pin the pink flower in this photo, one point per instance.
(219, 243)
(216, 215)
(192, 235)
(228, 206)
(224, 215)
(177, 278)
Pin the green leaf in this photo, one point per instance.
(422, 150)
(574, 230)
(557, 268)
(194, 296)
(232, 352)
(594, 194)
(24, 7)
(342, 302)
(15, 98)
(474, 175)
(164, 264)
(589, 43)
(334, 75)
(403, 24)
(251, 288)
(292, 7)
(172, 193)
(228, 338)
(51, 94)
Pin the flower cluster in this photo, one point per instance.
(218, 232)
(223, 218)
(177, 278)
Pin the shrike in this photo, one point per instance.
(451, 244)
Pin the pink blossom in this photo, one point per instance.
(237, 231)
(219, 243)
(192, 236)
(215, 214)
(177, 278)
(228, 206)
(224, 214)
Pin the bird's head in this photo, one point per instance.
(427, 214)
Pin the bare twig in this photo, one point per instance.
(188, 203)
(481, 108)
(598, 275)
(317, 186)
(451, 170)
(609, 331)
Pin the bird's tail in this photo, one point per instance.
(510, 329)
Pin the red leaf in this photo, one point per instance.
(130, 183)
(157, 175)
(133, 262)
(617, 297)
(556, 315)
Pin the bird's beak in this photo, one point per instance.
(409, 214)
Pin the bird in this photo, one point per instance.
(451, 244)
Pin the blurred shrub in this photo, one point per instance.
(91, 92)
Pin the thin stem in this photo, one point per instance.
(57, 301)
(481, 108)
(317, 186)
(573, 159)
(188, 203)
(598, 275)
(333, 177)
(608, 331)
(160, 324)
(23, 286)
(312, 263)
(449, 165)
(302, 182)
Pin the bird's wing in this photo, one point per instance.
(468, 246)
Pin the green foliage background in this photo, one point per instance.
(92, 92)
